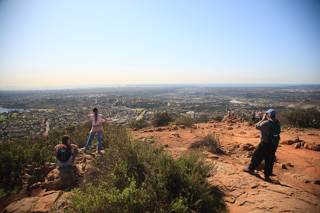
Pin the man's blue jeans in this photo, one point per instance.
(91, 139)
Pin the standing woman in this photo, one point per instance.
(253, 116)
(96, 129)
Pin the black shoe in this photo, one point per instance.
(250, 171)
(268, 179)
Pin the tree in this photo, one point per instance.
(162, 119)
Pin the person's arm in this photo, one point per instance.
(55, 149)
(73, 147)
(90, 113)
(105, 119)
(258, 125)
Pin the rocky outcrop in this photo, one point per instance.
(250, 193)
(60, 178)
(42, 203)
(43, 195)
(299, 144)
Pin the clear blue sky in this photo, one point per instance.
(45, 43)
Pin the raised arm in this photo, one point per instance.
(90, 113)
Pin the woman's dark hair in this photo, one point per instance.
(65, 139)
(95, 110)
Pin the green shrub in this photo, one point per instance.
(183, 121)
(210, 141)
(247, 118)
(218, 118)
(137, 176)
(16, 154)
(162, 119)
(305, 118)
(203, 118)
(138, 124)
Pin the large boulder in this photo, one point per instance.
(46, 201)
(61, 206)
(43, 203)
(314, 146)
(59, 178)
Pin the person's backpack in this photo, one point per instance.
(274, 136)
(64, 152)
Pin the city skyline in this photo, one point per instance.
(68, 44)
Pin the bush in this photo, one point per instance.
(137, 176)
(203, 118)
(162, 119)
(183, 121)
(305, 118)
(218, 118)
(16, 154)
(210, 141)
(247, 118)
(138, 124)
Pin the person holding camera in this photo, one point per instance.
(265, 149)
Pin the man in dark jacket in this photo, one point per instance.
(265, 150)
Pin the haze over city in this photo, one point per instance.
(65, 44)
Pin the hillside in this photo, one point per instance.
(294, 188)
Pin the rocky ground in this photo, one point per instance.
(294, 188)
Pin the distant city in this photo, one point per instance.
(31, 113)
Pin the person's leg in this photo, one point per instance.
(268, 160)
(99, 141)
(91, 136)
(257, 156)
(274, 149)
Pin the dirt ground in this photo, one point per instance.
(295, 186)
(297, 170)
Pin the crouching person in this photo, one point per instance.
(66, 152)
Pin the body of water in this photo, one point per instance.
(3, 110)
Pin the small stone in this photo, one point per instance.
(176, 134)
(289, 164)
(317, 182)
(174, 127)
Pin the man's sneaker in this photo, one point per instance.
(268, 179)
(250, 171)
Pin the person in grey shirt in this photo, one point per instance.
(265, 150)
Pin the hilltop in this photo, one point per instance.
(294, 188)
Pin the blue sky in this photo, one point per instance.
(62, 43)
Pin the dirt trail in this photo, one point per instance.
(294, 188)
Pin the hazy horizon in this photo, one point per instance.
(73, 44)
(75, 87)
